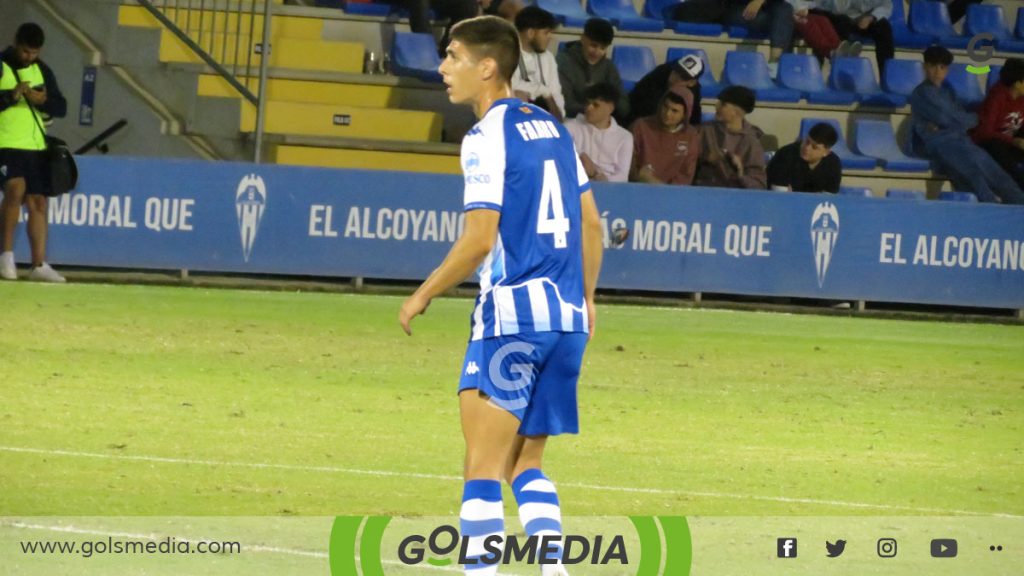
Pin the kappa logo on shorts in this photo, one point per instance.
(472, 369)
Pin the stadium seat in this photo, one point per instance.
(662, 10)
(902, 35)
(850, 160)
(709, 86)
(1019, 29)
(856, 75)
(568, 12)
(901, 194)
(875, 139)
(966, 85)
(902, 76)
(958, 196)
(623, 15)
(745, 33)
(751, 70)
(993, 76)
(931, 18)
(380, 9)
(415, 55)
(988, 18)
(802, 72)
(633, 63)
(706, 117)
(855, 191)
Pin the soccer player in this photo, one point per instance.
(533, 233)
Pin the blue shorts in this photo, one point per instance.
(533, 376)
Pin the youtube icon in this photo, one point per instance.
(943, 548)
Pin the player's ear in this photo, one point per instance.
(488, 68)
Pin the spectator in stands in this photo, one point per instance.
(536, 78)
(454, 10)
(584, 63)
(605, 148)
(731, 152)
(818, 32)
(808, 166)
(1001, 119)
(646, 96)
(868, 18)
(506, 9)
(666, 146)
(772, 17)
(28, 91)
(939, 132)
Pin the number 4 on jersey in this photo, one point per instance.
(551, 202)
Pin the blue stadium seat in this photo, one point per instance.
(966, 85)
(568, 12)
(902, 76)
(802, 72)
(751, 70)
(993, 76)
(633, 63)
(662, 10)
(1019, 29)
(415, 55)
(746, 33)
(874, 138)
(849, 160)
(709, 86)
(855, 191)
(623, 15)
(706, 117)
(856, 75)
(988, 18)
(901, 194)
(931, 18)
(902, 35)
(958, 196)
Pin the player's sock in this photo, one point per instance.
(538, 510)
(482, 516)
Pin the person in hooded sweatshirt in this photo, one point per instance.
(584, 63)
(665, 145)
(1000, 129)
(646, 95)
(731, 152)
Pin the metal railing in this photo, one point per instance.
(218, 31)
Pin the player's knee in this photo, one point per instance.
(36, 204)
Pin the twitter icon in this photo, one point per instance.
(835, 550)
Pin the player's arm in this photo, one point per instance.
(593, 251)
(463, 259)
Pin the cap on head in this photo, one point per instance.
(689, 67)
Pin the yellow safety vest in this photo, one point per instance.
(18, 129)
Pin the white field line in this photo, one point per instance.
(451, 478)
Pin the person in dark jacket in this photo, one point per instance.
(1000, 129)
(646, 95)
(585, 63)
(807, 166)
(731, 152)
(28, 92)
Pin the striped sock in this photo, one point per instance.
(482, 516)
(538, 507)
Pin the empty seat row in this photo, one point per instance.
(874, 145)
(905, 194)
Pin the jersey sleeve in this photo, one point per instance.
(483, 165)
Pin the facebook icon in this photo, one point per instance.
(787, 547)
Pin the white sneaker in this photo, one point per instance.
(7, 269)
(45, 273)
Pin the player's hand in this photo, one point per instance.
(750, 12)
(591, 318)
(20, 90)
(736, 162)
(800, 16)
(412, 307)
(36, 97)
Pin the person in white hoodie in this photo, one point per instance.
(605, 148)
(536, 78)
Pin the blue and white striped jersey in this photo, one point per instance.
(520, 161)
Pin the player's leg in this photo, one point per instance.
(37, 206)
(10, 210)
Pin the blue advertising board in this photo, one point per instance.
(233, 217)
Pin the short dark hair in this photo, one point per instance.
(1012, 72)
(603, 91)
(599, 30)
(535, 18)
(30, 34)
(490, 37)
(938, 55)
(823, 133)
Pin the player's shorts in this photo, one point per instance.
(531, 375)
(27, 164)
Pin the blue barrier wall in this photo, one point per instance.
(166, 214)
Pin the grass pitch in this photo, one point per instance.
(125, 400)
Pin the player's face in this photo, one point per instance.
(598, 111)
(593, 52)
(671, 113)
(936, 73)
(461, 73)
(812, 152)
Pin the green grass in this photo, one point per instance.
(692, 412)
